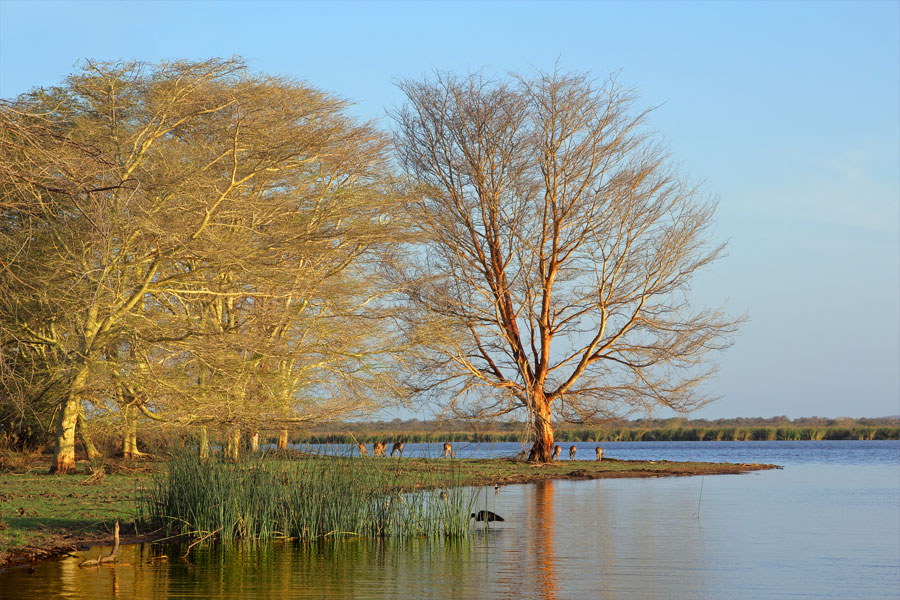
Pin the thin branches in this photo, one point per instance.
(560, 247)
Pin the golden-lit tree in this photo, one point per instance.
(561, 248)
(180, 239)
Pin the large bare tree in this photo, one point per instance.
(561, 247)
(170, 232)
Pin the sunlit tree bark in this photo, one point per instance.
(90, 450)
(204, 443)
(233, 443)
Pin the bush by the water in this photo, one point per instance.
(307, 499)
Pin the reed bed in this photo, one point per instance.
(308, 499)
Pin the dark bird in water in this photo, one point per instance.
(486, 515)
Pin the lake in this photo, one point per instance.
(826, 526)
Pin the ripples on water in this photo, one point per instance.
(827, 526)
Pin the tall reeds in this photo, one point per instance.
(306, 499)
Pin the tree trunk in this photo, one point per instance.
(283, 439)
(204, 444)
(64, 451)
(254, 441)
(129, 444)
(233, 444)
(129, 441)
(542, 450)
(81, 431)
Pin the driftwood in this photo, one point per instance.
(111, 557)
(96, 476)
(205, 537)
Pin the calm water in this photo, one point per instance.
(826, 526)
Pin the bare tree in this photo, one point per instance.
(561, 248)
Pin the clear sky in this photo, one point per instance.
(789, 111)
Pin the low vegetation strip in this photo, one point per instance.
(626, 434)
(43, 515)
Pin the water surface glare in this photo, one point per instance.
(827, 526)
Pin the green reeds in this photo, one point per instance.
(306, 499)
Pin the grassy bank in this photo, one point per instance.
(42, 515)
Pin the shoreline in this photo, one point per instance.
(37, 510)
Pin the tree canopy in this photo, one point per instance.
(195, 242)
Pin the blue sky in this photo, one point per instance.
(789, 112)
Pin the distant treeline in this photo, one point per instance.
(644, 430)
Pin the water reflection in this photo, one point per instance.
(811, 530)
(526, 543)
(542, 522)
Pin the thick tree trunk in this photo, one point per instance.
(64, 451)
(129, 440)
(254, 441)
(81, 431)
(127, 448)
(233, 444)
(542, 450)
(283, 439)
(129, 444)
(204, 443)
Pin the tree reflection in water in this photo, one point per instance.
(543, 534)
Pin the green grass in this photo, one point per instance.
(41, 510)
